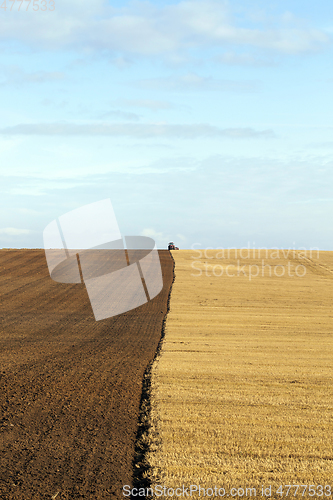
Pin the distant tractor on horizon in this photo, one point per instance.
(171, 246)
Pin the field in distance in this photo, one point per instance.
(243, 389)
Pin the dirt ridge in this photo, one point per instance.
(141, 466)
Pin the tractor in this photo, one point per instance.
(172, 246)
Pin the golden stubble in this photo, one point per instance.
(242, 392)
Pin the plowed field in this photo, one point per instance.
(70, 387)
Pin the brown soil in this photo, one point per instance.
(70, 387)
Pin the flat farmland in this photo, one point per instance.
(242, 392)
(70, 387)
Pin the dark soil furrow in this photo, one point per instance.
(70, 387)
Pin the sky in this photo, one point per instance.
(207, 123)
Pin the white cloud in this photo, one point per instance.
(14, 231)
(28, 211)
(139, 131)
(160, 238)
(151, 233)
(325, 145)
(233, 58)
(143, 28)
(181, 237)
(117, 113)
(145, 103)
(195, 82)
(17, 76)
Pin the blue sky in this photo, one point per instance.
(205, 122)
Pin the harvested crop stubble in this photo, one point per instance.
(242, 393)
(70, 386)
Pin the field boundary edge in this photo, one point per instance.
(140, 463)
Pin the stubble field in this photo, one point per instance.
(242, 393)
